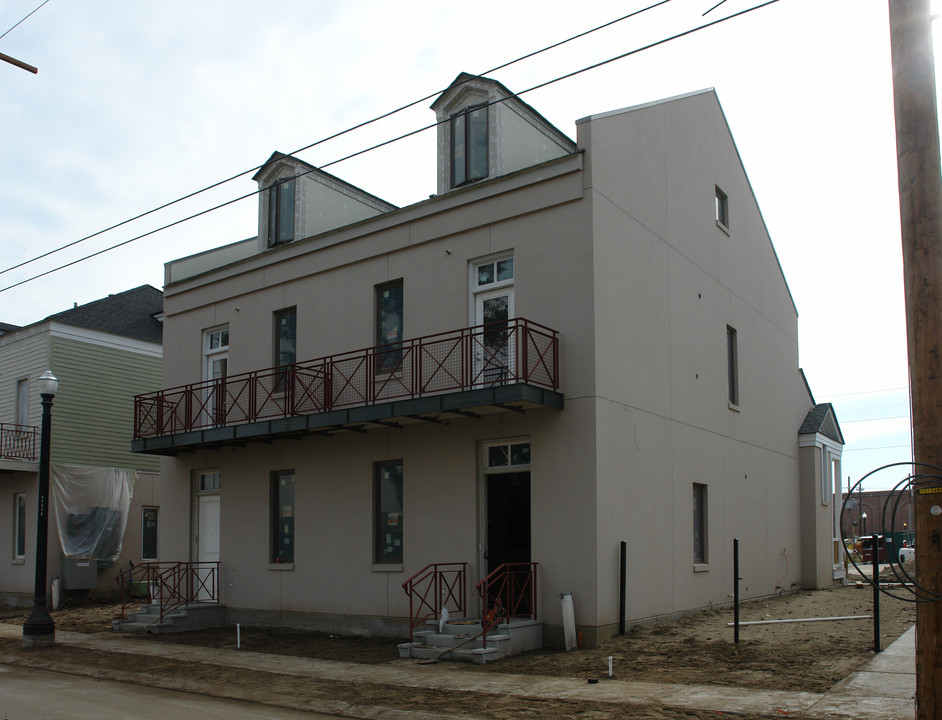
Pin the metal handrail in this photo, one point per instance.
(18, 442)
(441, 583)
(504, 353)
(170, 585)
(510, 589)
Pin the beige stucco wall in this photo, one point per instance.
(626, 261)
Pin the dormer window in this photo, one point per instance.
(281, 212)
(469, 145)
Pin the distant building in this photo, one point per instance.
(103, 353)
(570, 345)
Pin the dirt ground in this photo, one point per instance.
(695, 650)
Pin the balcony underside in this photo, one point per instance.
(475, 403)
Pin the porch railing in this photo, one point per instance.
(170, 585)
(508, 352)
(433, 587)
(17, 442)
(508, 591)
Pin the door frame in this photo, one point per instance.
(484, 472)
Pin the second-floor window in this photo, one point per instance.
(286, 333)
(732, 364)
(281, 212)
(469, 145)
(389, 325)
(22, 401)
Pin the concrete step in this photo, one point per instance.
(191, 617)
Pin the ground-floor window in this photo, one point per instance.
(19, 526)
(148, 533)
(700, 524)
(282, 516)
(387, 512)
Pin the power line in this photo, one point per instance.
(880, 447)
(875, 419)
(557, 79)
(21, 21)
(336, 135)
(868, 392)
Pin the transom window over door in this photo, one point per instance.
(492, 289)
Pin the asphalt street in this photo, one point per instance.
(42, 695)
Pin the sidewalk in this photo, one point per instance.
(882, 690)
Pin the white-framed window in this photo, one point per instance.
(19, 526)
(700, 526)
(492, 309)
(281, 201)
(22, 401)
(216, 353)
(722, 208)
(732, 365)
(505, 457)
(149, 518)
(469, 145)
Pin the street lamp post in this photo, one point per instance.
(39, 630)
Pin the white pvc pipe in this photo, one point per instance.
(794, 620)
(609, 665)
(238, 636)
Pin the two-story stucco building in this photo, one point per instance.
(569, 345)
(103, 353)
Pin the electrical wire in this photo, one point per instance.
(23, 20)
(560, 78)
(336, 135)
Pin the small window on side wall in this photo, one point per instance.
(722, 209)
(387, 512)
(700, 556)
(732, 364)
(389, 315)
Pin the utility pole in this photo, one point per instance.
(920, 200)
(18, 63)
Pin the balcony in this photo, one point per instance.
(507, 366)
(18, 442)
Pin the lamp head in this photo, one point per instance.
(48, 384)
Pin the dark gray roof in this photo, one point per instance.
(821, 419)
(7, 327)
(132, 314)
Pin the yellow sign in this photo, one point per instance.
(929, 491)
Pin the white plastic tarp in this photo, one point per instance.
(92, 506)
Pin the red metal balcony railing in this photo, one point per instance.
(433, 587)
(502, 353)
(17, 442)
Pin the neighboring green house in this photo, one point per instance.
(103, 353)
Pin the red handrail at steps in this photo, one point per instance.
(169, 584)
(504, 353)
(433, 587)
(508, 591)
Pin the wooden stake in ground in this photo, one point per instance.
(920, 198)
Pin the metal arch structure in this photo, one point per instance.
(917, 593)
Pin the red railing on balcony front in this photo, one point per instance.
(509, 352)
(17, 442)
(433, 587)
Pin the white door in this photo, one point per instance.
(495, 355)
(207, 540)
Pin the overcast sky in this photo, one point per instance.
(137, 104)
